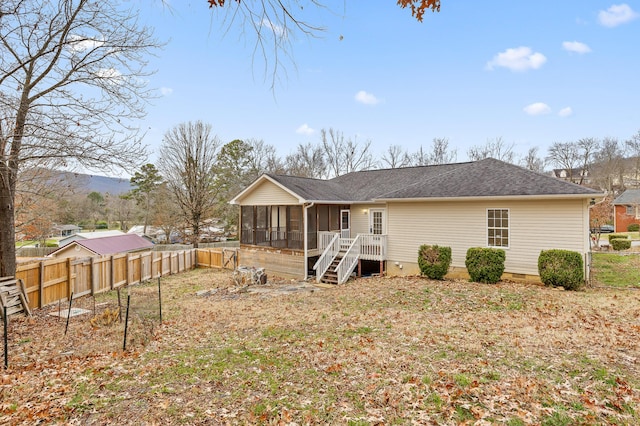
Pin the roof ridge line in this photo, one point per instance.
(437, 176)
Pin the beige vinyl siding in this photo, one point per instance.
(360, 217)
(266, 194)
(534, 226)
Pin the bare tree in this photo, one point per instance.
(633, 147)
(263, 158)
(495, 148)
(564, 155)
(169, 218)
(307, 160)
(395, 156)
(608, 167)
(72, 88)
(345, 156)
(187, 161)
(440, 153)
(333, 144)
(586, 147)
(420, 157)
(532, 161)
(275, 23)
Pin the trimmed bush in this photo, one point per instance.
(485, 265)
(434, 261)
(618, 236)
(561, 268)
(633, 227)
(620, 244)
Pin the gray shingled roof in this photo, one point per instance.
(312, 189)
(630, 196)
(483, 178)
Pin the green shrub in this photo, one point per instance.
(633, 227)
(620, 244)
(561, 268)
(434, 261)
(485, 265)
(618, 236)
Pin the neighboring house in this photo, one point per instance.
(87, 236)
(64, 230)
(626, 209)
(125, 243)
(578, 175)
(296, 227)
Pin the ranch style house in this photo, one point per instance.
(375, 221)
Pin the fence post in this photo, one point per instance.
(113, 273)
(92, 269)
(126, 324)
(160, 299)
(69, 279)
(127, 269)
(66, 327)
(41, 285)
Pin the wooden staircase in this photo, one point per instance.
(13, 296)
(331, 276)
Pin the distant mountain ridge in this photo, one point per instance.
(102, 184)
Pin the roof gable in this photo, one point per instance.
(111, 245)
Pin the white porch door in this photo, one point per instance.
(376, 221)
(345, 223)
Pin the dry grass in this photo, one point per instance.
(373, 351)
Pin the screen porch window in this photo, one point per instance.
(498, 227)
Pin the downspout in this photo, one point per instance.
(306, 240)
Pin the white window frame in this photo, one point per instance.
(508, 227)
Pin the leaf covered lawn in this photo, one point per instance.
(374, 351)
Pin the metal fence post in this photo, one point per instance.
(126, 324)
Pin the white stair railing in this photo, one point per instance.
(349, 261)
(327, 256)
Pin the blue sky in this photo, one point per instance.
(529, 72)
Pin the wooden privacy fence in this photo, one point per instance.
(50, 281)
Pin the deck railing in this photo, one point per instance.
(349, 260)
(327, 256)
(372, 246)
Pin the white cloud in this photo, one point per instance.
(617, 14)
(517, 59)
(304, 130)
(576, 47)
(82, 44)
(278, 30)
(565, 112)
(166, 91)
(366, 98)
(538, 108)
(108, 73)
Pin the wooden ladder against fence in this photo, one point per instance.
(13, 296)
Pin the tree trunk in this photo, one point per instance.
(7, 231)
